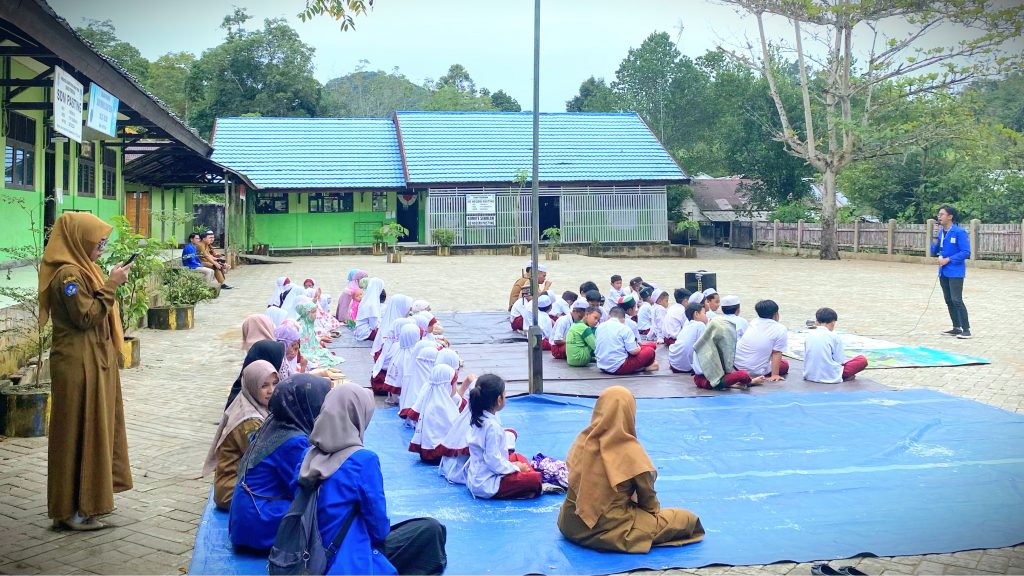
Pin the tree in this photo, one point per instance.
(344, 11)
(168, 80)
(458, 78)
(594, 96)
(856, 99)
(643, 79)
(456, 91)
(504, 102)
(264, 72)
(102, 35)
(371, 94)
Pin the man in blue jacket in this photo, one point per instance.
(190, 260)
(953, 247)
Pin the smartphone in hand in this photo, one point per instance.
(131, 259)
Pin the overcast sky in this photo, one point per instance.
(493, 39)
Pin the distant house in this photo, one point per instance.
(716, 204)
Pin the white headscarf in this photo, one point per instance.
(389, 346)
(290, 301)
(449, 357)
(425, 358)
(419, 306)
(437, 412)
(276, 315)
(401, 364)
(397, 307)
(283, 283)
(369, 307)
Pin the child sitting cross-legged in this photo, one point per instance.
(824, 360)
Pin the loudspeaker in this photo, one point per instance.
(700, 281)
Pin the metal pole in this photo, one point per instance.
(535, 334)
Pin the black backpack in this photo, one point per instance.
(297, 547)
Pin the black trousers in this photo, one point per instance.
(417, 546)
(953, 292)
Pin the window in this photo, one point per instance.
(86, 177)
(272, 203)
(380, 201)
(330, 202)
(109, 174)
(20, 153)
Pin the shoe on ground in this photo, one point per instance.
(226, 287)
(953, 332)
(79, 524)
(964, 335)
(546, 488)
(824, 570)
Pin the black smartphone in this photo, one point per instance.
(131, 259)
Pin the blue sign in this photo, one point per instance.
(102, 110)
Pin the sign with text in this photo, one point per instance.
(102, 110)
(480, 220)
(67, 104)
(480, 204)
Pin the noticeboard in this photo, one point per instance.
(480, 204)
(67, 104)
(480, 220)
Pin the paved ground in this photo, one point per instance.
(173, 402)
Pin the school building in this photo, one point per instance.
(329, 182)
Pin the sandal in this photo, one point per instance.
(825, 570)
(851, 571)
(86, 525)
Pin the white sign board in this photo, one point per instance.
(480, 220)
(67, 104)
(102, 110)
(480, 204)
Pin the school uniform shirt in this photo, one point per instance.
(545, 323)
(256, 513)
(710, 314)
(488, 457)
(658, 323)
(364, 327)
(739, 322)
(560, 308)
(613, 341)
(561, 329)
(823, 356)
(635, 328)
(675, 318)
(613, 296)
(645, 316)
(754, 349)
(680, 353)
(522, 308)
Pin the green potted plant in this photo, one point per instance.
(180, 291)
(554, 237)
(379, 245)
(24, 397)
(391, 232)
(521, 177)
(133, 296)
(444, 238)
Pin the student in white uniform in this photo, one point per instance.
(824, 360)
(675, 316)
(680, 354)
(544, 303)
(628, 306)
(645, 317)
(711, 302)
(595, 299)
(730, 309)
(563, 305)
(659, 301)
(491, 471)
(561, 328)
(617, 350)
(615, 292)
(521, 315)
(759, 351)
(368, 317)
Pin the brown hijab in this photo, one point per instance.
(244, 407)
(72, 239)
(606, 454)
(256, 327)
(337, 433)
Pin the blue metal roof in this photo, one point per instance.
(486, 147)
(311, 152)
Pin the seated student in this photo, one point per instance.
(491, 471)
(645, 314)
(587, 287)
(824, 360)
(617, 350)
(401, 387)
(350, 482)
(256, 327)
(615, 293)
(282, 288)
(636, 287)
(287, 334)
(580, 341)
(611, 503)
(310, 344)
(595, 299)
(368, 317)
(711, 302)
(560, 331)
(714, 356)
(543, 284)
(675, 316)
(759, 351)
(397, 307)
(660, 302)
(268, 350)
(731, 312)
(190, 260)
(563, 305)
(628, 306)
(680, 353)
(544, 320)
(268, 472)
(344, 310)
(381, 365)
(436, 413)
(211, 259)
(521, 314)
(240, 420)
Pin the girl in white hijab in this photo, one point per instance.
(425, 354)
(368, 318)
(378, 376)
(437, 415)
(397, 307)
(284, 284)
(408, 336)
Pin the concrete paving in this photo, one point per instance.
(174, 401)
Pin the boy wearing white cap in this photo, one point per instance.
(521, 314)
(645, 316)
(544, 303)
(561, 328)
(731, 312)
(711, 302)
(543, 284)
(659, 306)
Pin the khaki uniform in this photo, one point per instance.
(229, 455)
(517, 289)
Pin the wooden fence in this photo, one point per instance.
(988, 241)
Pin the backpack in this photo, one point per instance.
(297, 547)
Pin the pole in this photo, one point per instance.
(535, 335)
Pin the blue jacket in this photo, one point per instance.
(189, 257)
(255, 518)
(955, 245)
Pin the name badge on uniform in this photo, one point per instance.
(952, 240)
(70, 289)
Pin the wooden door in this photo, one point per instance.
(137, 211)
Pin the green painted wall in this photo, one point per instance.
(16, 222)
(300, 229)
(166, 201)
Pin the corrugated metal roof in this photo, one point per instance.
(483, 147)
(311, 152)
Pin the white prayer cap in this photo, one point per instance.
(709, 292)
(657, 294)
(730, 300)
(696, 298)
(542, 268)
(529, 264)
(580, 304)
(544, 301)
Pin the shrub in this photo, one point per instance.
(183, 287)
(443, 237)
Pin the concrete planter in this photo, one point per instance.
(131, 353)
(24, 413)
(444, 251)
(171, 318)
(378, 249)
(552, 255)
(394, 257)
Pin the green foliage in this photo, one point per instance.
(687, 227)
(391, 232)
(792, 212)
(26, 338)
(371, 94)
(1002, 99)
(183, 287)
(504, 102)
(343, 11)
(644, 77)
(168, 80)
(103, 36)
(594, 96)
(133, 296)
(553, 235)
(675, 195)
(443, 237)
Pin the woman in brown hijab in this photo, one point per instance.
(611, 503)
(88, 447)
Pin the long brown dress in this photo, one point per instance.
(88, 445)
(611, 503)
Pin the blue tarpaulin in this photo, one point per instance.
(777, 477)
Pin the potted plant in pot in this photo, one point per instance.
(444, 238)
(25, 396)
(554, 237)
(379, 245)
(181, 290)
(133, 296)
(391, 232)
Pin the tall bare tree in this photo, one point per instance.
(857, 93)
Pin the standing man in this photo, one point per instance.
(953, 247)
(212, 260)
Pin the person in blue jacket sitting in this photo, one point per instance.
(190, 259)
(350, 482)
(269, 470)
(953, 247)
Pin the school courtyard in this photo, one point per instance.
(174, 401)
